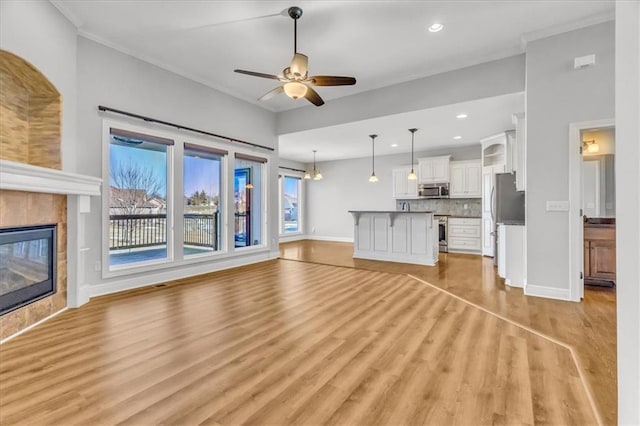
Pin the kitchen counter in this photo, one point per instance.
(396, 236)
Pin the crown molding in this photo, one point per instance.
(175, 70)
(72, 17)
(566, 27)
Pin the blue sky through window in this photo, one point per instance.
(201, 174)
(143, 158)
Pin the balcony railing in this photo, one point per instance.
(147, 230)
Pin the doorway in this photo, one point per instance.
(592, 207)
(598, 206)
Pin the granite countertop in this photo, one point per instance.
(460, 216)
(390, 211)
(512, 223)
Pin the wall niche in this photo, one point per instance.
(30, 114)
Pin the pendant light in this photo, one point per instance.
(316, 173)
(307, 175)
(373, 178)
(412, 174)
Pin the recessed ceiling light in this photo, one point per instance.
(461, 116)
(434, 28)
(457, 137)
(394, 145)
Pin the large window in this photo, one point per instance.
(173, 201)
(138, 198)
(248, 200)
(202, 200)
(291, 194)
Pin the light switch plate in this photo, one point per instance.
(557, 206)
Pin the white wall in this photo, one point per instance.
(558, 95)
(346, 186)
(110, 78)
(476, 82)
(628, 209)
(38, 33)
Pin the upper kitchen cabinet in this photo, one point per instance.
(466, 179)
(403, 188)
(434, 169)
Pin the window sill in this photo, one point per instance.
(168, 264)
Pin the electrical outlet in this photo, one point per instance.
(97, 266)
(466, 206)
(313, 230)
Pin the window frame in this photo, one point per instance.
(264, 198)
(175, 189)
(301, 188)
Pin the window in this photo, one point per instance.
(248, 200)
(171, 202)
(202, 201)
(138, 199)
(291, 190)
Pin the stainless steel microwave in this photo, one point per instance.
(433, 190)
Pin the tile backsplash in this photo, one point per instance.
(466, 207)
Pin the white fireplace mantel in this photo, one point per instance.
(79, 189)
(25, 177)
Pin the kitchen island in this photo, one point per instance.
(395, 236)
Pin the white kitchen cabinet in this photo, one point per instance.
(464, 235)
(520, 151)
(466, 179)
(434, 169)
(403, 188)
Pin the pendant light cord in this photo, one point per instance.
(413, 132)
(373, 154)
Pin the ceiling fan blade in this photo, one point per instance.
(331, 80)
(271, 93)
(313, 97)
(260, 74)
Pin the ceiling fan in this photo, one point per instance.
(296, 79)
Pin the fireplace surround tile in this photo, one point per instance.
(19, 208)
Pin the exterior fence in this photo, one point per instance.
(146, 230)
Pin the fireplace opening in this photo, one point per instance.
(27, 265)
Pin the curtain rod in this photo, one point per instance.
(292, 169)
(181, 127)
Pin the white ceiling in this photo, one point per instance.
(379, 42)
(437, 127)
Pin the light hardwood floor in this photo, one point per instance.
(287, 342)
(588, 327)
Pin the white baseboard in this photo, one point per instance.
(547, 292)
(151, 278)
(35, 324)
(323, 238)
(289, 238)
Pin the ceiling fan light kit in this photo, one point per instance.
(297, 83)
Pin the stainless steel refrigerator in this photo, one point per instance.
(507, 204)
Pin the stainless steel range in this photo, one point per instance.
(443, 231)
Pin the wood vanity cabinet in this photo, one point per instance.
(599, 254)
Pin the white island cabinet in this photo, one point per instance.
(396, 236)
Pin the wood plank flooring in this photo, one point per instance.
(287, 342)
(588, 327)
